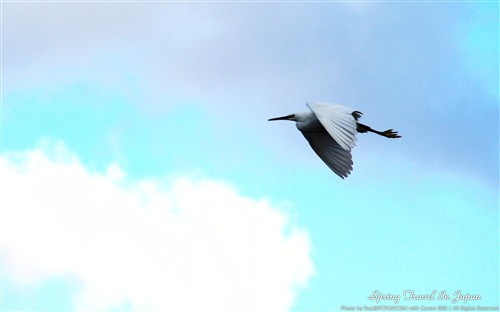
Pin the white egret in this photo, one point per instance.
(331, 131)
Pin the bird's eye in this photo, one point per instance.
(291, 116)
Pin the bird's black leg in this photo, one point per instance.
(390, 133)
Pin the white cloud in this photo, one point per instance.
(176, 245)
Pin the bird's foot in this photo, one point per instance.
(391, 134)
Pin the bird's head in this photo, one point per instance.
(293, 117)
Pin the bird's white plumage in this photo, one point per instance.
(338, 122)
(333, 155)
(331, 131)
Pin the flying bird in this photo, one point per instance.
(331, 131)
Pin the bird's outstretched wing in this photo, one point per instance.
(338, 121)
(332, 154)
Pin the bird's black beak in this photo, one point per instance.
(287, 117)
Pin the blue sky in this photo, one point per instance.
(177, 96)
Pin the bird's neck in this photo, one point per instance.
(309, 123)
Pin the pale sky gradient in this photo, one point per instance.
(140, 172)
